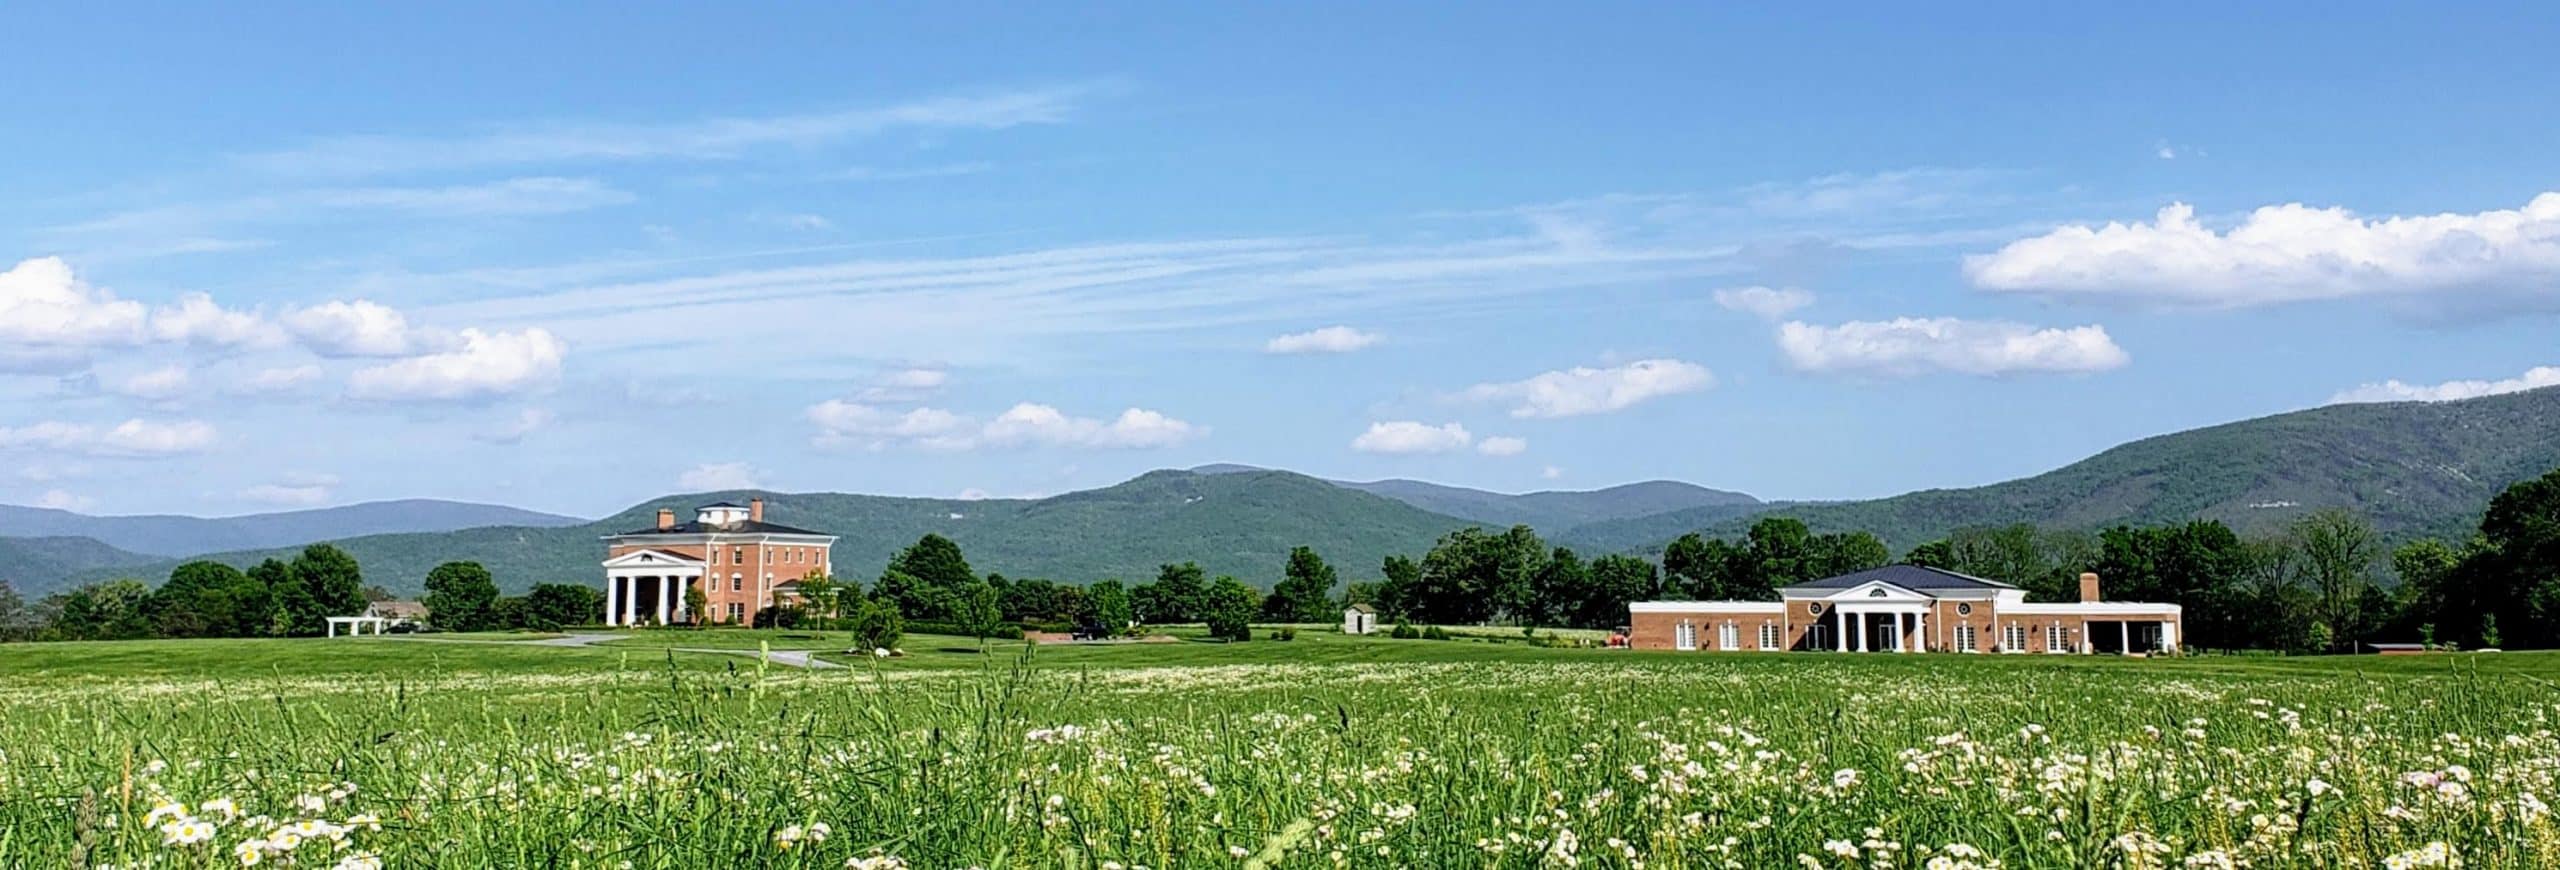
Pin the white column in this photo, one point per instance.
(333, 628)
(1901, 632)
(2168, 636)
(666, 590)
(1862, 630)
(612, 599)
(2124, 637)
(1841, 643)
(631, 601)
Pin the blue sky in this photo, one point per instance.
(573, 257)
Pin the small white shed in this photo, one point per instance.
(1359, 619)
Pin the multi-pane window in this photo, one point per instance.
(2014, 639)
(737, 582)
(1964, 639)
(1684, 636)
(1768, 635)
(1728, 637)
(2057, 638)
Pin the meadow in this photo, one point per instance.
(1325, 751)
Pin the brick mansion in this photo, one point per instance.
(1907, 608)
(741, 563)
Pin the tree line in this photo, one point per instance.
(2318, 584)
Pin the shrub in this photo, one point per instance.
(1284, 633)
(1001, 630)
(876, 625)
(1434, 633)
(1403, 631)
(780, 616)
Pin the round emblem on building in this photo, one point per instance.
(1813, 607)
(1964, 609)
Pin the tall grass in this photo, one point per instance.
(1607, 762)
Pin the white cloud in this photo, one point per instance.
(359, 328)
(197, 320)
(1583, 390)
(2288, 253)
(44, 305)
(136, 437)
(1767, 303)
(1407, 436)
(1330, 339)
(1912, 346)
(2397, 391)
(301, 490)
(526, 422)
(508, 197)
(278, 379)
(65, 500)
(905, 385)
(487, 364)
(1502, 445)
(843, 423)
(158, 385)
(1029, 423)
(802, 221)
(1550, 472)
(720, 475)
(708, 139)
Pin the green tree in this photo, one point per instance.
(17, 620)
(1175, 596)
(287, 600)
(876, 625)
(1616, 579)
(697, 604)
(1402, 581)
(1230, 606)
(979, 610)
(2197, 565)
(1563, 583)
(1107, 606)
(818, 592)
(1305, 590)
(1939, 554)
(461, 596)
(934, 572)
(1471, 576)
(207, 599)
(550, 606)
(2338, 551)
(333, 584)
(113, 610)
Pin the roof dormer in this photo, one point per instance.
(720, 514)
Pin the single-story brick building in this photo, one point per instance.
(1907, 608)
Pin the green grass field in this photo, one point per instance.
(1323, 751)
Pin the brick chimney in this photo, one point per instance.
(755, 509)
(2088, 587)
(666, 519)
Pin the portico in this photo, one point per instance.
(651, 584)
(1877, 617)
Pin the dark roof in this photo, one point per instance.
(1363, 608)
(725, 504)
(741, 527)
(1912, 577)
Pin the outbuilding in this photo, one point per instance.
(1359, 619)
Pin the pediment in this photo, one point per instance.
(652, 559)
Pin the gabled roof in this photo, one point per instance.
(741, 527)
(651, 557)
(1363, 608)
(1912, 577)
(721, 504)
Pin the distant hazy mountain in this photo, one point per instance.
(36, 566)
(1553, 510)
(1241, 524)
(166, 535)
(2414, 468)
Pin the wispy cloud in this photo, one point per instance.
(557, 142)
(2396, 390)
(1912, 346)
(514, 196)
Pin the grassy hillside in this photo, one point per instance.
(35, 566)
(1241, 524)
(2414, 468)
(1556, 509)
(165, 535)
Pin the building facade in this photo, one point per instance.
(741, 563)
(1907, 608)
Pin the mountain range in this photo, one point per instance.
(2413, 468)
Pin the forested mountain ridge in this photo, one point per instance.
(2413, 468)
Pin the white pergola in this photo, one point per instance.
(355, 625)
(663, 573)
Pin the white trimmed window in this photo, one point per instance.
(1728, 637)
(1768, 635)
(2014, 638)
(1964, 639)
(737, 582)
(2057, 638)
(1684, 636)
